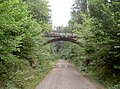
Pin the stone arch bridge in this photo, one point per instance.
(60, 36)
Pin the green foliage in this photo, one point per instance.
(11, 35)
(40, 11)
(21, 56)
(117, 86)
(99, 30)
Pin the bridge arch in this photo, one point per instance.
(59, 36)
(62, 39)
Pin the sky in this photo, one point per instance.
(60, 11)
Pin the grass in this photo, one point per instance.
(91, 76)
(29, 78)
(94, 81)
(33, 81)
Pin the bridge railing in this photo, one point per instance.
(56, 34)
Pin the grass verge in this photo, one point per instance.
(36, 79)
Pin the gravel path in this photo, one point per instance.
(64, 76)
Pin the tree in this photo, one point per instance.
(41, 12)
(20, 39)
(99, 30)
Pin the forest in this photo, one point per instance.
(24, 61)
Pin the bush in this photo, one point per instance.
(116, 86)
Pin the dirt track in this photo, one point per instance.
(63, 76)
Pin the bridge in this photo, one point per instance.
(61, 36)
